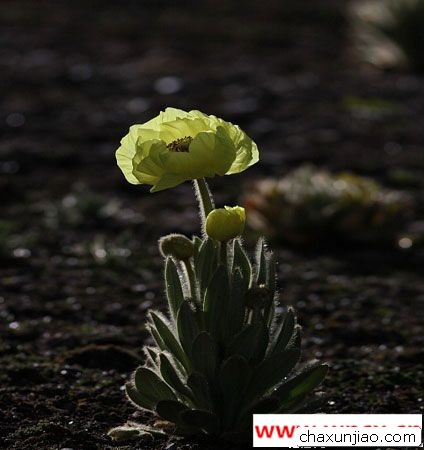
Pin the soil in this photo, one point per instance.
(79, 266)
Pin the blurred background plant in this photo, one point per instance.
(309, 205)
(81, 207)
(390, 33)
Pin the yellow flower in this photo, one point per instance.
(226, 223)
(177, 146)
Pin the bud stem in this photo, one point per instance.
(206, 202)
(223, 253)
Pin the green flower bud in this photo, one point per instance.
(258, 297)
(226, 223)
(176, 245)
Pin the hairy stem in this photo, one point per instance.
(223, 253)
(206, 202)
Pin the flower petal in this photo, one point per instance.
(183, 127)
(217, 148)
(147, 163)
(126, 152)
(168, 115)
(246, 149)
(167, 181)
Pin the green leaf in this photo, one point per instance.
(272, 371)
(216, 301)
(170, 342)
(271, 272)
(295, 341)
(261, 261)
(249, 342)
(271, 282)
(173, 287)
(235, 316)
(306, 406)
(298, 387)
(235, 374)
(170, 410)
(201, 391)
(156, 336)
(244, 343)
(197, 242)
(206, 263)
(204, 420)
(171, 376)
(149, 384)
(264, 405)
(187, 327)
(138, 398)
(204, 355)
(284, 333)
(151, 354)
(262, 342)
(241, 260)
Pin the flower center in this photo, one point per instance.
(180, 145)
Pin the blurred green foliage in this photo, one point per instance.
(84, 208)
(308, 205)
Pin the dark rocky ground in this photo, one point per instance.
(79, 266)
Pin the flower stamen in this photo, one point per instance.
(180, 145)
